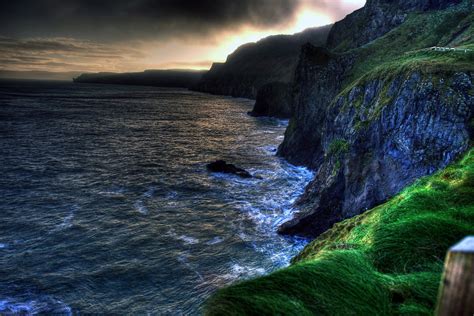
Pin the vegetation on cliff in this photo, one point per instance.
(430, 42)
(402, 102)
(387, 261)
(371, 119)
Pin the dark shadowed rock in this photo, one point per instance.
(224, 167)
(379, 137)
(157, 78)
(253, 65)
(273, 99)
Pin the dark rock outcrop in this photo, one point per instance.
(157, 78)
(378, 138)
(318, 79)
(273, 99)
(272, 59)
(224, 167)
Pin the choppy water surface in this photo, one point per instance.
(106, 205)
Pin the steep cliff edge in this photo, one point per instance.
(274, 99)
(272, 59)
(372, 120)
(387, 261)
(379, 137)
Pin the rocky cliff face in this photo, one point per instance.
(318, 79)
(375, 19)
(253, 65)
(274, 99)
(371, 120)
(378, 138)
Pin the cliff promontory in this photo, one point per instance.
(373, 119)
(157, 78)
(272, 59)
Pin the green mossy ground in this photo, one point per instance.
(338, 147)
(387, 261)
(406, 48)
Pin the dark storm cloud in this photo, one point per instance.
(142, 19)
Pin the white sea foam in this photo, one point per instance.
(188, 240)
(215, 240)
(114, 193)
(244, 236)
(68, 220)
(140, 207)
(269, 150)
(2, 246)
(33, 306)
(238, 271)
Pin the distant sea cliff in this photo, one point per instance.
(158, 78)
(272, 59)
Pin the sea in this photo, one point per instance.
(106, 205)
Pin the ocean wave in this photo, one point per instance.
(215, 240)
(150, 192)
(238, 271)
(140, 207)
(188, 240)
(114, 193)
(68, 220)
(33, 306)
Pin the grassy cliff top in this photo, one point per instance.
(434, 42)
(386, 261)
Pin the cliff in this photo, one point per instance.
(274, 99)
(371, 120)
(272, 59)
(376, 114)
(387, 261)
(157, 78)
(378, 138)
(377, 18)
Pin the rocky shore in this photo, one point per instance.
(373, 111)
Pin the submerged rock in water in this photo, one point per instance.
(224, 167)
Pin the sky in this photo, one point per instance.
(134, 35)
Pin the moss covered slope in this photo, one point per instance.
(387, 261)
(431, 42)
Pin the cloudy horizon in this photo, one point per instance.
(121, 36)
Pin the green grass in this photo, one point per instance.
(403, 49)
(338, 147)
(387, 261)
(406, 50)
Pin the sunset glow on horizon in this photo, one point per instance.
(305, 19)
(189, 40)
